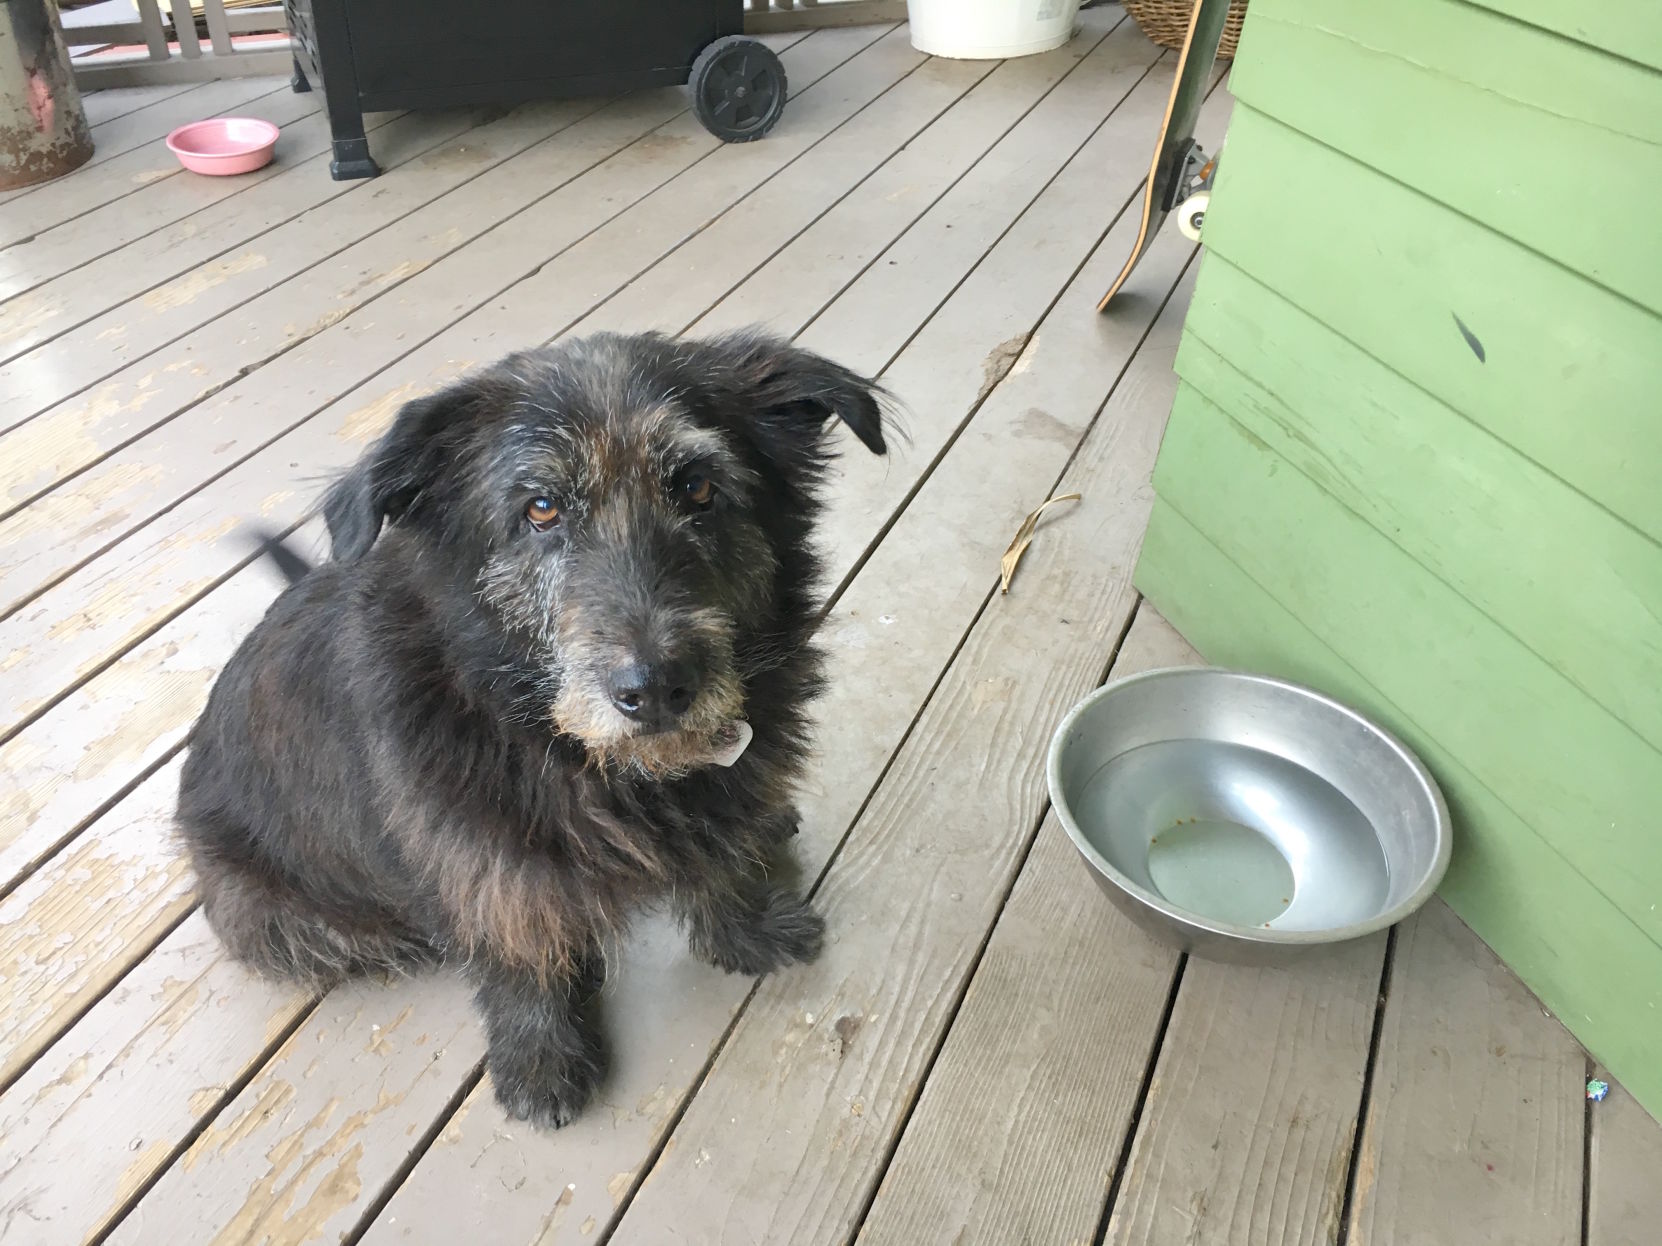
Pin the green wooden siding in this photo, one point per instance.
(1446, 100)
(1569, 370)
(1627, 28)
(1417, 455)
(1499, 528)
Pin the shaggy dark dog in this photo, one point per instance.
(502, 720)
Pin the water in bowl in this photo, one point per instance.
(1235, 834)
(1222, 869)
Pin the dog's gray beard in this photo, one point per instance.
(577, 668)
(583, 709)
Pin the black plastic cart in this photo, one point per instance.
(373, 55)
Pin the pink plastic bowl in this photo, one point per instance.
(224, 145)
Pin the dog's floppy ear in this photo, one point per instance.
(794, 392)
(389, 475)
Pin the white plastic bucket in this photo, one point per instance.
(990, 29)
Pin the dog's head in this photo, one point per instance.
(634, 511)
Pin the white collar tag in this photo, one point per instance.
(731, 742)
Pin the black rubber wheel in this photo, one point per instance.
(738, 88)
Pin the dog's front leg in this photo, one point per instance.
(546, 1053)
(755, 922)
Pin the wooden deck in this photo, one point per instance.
(986, 1052)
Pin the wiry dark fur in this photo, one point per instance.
(414, 757)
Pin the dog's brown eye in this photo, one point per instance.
(699, 489)
(542, 513)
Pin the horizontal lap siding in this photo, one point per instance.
(1628, 28)
(1415, 456)
(1519, 129)
(1501, 530)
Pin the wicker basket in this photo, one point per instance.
(1167, 21)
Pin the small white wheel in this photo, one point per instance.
(1191, 212)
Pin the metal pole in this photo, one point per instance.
(43, 128)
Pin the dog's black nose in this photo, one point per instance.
(653, 694)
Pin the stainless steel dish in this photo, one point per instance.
(1242, 817)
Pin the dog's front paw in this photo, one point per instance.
(549, 1092)
(786, 932)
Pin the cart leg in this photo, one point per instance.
(297, 80)
(352, 158)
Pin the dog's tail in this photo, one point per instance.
(292, 565)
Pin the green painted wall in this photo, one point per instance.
(1416, 455)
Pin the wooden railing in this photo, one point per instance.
(159, 47)
(764, 16)
(153, 47)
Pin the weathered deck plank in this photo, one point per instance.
(824, 264)
(285, 288)
(1019, 1129)
(1474, 1129)
(199, 248)
(597, 215)
(1624, 1182)
(30, 270)
(287, 1160)
(226, 97)
(129, 116)
(90, 1123)
(863, 741)
(892, 619)
(115, 826)
(1251, 1117)
(70, 930)
(279, 231)
(73, 220)
(112, 102)
(788, 1134)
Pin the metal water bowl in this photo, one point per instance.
(1242, 817)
